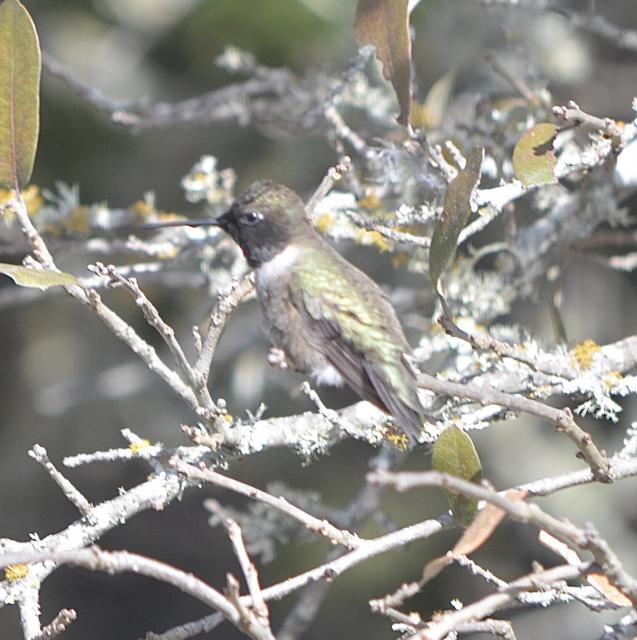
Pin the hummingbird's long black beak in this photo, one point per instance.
(220, 222)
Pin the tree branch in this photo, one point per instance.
(322, 527)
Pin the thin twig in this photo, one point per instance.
(250, 624)
(155, 493)
(322, 527)
(572, 113)
(226, 303)
(30, 612)
(93, 558)
(412, 621)
(58, 625)
(400, 237)
(369, 549)
(188, 630)
(227, 103)
(39, 454)
(329, 414)
(333, 175)
(112, 562)
(444, 624)
(247, 566)
(594, 24)
(561, 418)
(512, 78)
(587, 539)
(554, 366)
(366, 504)
(306, 607)
(91, 299)
(151, 314)
(547, 486)
(344, 132)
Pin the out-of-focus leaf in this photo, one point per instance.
(455, 214)
(37, 278)
(435, 566)
(601, 582)
(533, 157)
(19, 94)
(485, 523)
(558, 547)
(430, 113)
(476, 534)
(385, 24)
(455, 454)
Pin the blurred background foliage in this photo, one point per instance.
(68, 384)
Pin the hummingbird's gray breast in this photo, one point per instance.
(285, 326)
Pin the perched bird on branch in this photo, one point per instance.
(323, 316)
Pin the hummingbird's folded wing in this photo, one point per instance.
(369, 359)
(337, 348)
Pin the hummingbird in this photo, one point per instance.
(323, 316)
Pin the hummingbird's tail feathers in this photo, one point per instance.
(409, 415)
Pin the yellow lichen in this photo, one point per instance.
(141, 210)
(32, 199)
(168, 252)
(611, 379)
(31, 196)
(397, 438)
(324, 222)
(139, 445)
(584, 352)
(16, 571)
(400, 260)
(540, 392)
(168, 216)
(373, 238)
(371, 202)
(77, 222)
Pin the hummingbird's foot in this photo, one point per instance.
(276, 358)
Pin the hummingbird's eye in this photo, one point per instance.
(251, 217)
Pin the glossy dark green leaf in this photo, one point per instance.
(533, 157)
(455, 454)
(455, 214)
(37, 278)
(19, 94)
(385, 24)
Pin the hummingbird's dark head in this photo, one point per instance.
(264, 220)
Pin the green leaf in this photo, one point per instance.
(455, 214)
(385, 24)
(533, 157)
(19, 94)
(455, 454)
(37, 278)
